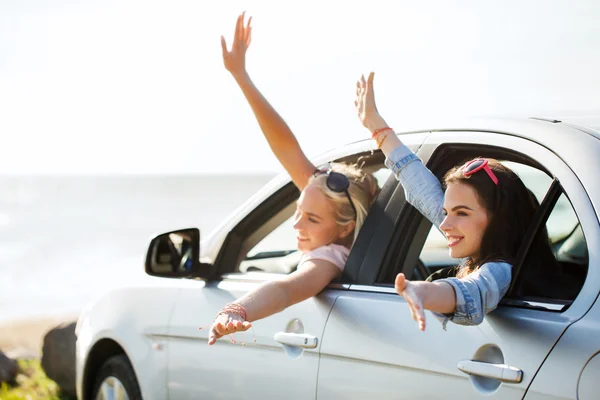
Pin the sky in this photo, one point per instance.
(139, 87)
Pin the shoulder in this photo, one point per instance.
(500, 271)
(334, 253)
(496, 265)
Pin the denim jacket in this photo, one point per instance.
(479, 292)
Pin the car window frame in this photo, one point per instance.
(414, 225)
(235, 248)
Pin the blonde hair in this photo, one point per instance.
(363, 190)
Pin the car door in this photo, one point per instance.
(283, 361)
(244, 368)
(373, 349)
(236, 366)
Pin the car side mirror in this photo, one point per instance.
(176, 254)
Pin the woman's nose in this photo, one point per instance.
(446, 224)
(298, 223)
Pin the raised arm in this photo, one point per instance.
(422, 188)
(282, 141)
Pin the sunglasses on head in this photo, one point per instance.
(337, 182)
(479, 164)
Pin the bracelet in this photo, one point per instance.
(378, 131)
(379, 139)
(233, 308)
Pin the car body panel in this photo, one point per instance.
(376, 330)
(233, 370)
(137, 319)
(572, 369)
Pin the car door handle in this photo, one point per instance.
(501, 372)
(296, 340)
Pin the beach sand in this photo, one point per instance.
(24, 338)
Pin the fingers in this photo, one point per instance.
(416, 309)
(249, 34)
(213, 336)
(245, 326)
(413, 300)
(223, 46)
(419, 315)
(223, 327)
(364, 89)
(239, 28)
(370, 80)
(369, 89)
(400, 283)
(243, 31)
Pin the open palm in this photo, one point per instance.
(235, 59)
(365, 102)
(413, 295)
(227, 324)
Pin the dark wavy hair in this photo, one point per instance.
(511, 208)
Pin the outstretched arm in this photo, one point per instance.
(420, 296)
(282, 141)
(273, 297)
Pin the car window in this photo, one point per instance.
(560, 278)
(565, 235)
(435, 250)
(563, 219)
(276, 252)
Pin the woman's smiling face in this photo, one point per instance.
(466, 221)
(314, 220)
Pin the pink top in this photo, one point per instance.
(334, 253)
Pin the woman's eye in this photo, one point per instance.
(462, 214)
(313, 220)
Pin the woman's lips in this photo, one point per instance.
(454, 240)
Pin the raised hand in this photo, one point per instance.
(365, 104)
(413, 294)
(235, 59)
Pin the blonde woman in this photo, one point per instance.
(330, 211)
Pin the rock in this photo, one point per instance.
(58, 356)
(8, 369)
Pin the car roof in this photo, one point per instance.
(562, 136)
(578, 145)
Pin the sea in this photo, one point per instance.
(66, 240)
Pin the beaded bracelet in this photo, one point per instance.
(238, 309)
(233, 308)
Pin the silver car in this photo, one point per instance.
(356, 339)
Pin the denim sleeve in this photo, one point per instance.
(478, 293)
(422, 189)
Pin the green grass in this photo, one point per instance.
(32, 384)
